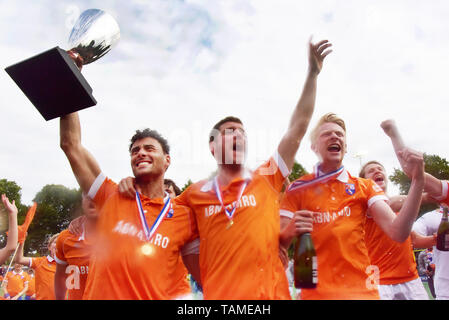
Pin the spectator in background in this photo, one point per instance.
(31, 292)
(15, 284)
(426, 267)
(427, 225)
(398, 276)
(44, 268)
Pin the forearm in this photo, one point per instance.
(70, 131)
(299, 121)
(60, 279)
(84, 165)
(5, 289)
(287, 232)
(420, 242)
(433, 186)
(305, 106)
(25, 289)
(11, 243)
(19, 258)
(403, 223)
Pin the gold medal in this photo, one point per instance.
(230, 224)
(147, 249)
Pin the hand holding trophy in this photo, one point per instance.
(52, 81)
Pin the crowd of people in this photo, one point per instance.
(229, 234)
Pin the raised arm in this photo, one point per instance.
(391, 130)
(84, 165)
(398, 227)
(432, 185)
(304, 109)
(12, 232)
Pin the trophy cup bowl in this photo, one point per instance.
(52, 80)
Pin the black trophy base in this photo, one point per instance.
(53, 83)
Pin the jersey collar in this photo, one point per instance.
(50, 259)
(342, 177)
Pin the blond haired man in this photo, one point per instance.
(331, 204)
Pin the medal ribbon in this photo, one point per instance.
(166, 208)
(229, 214)
(299, 184)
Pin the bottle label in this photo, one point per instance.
(314, 270)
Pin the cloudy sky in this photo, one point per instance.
(180, 66)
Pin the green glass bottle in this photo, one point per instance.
(305, 263)
(443, 232)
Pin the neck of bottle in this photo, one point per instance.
(445, 214)
(306, 234)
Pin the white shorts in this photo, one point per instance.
(411, 290)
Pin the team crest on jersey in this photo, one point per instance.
(350, 188)
(170, 213)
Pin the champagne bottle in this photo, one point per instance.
(443, 232)
(305, 263)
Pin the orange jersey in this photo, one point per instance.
(396, 261)
(44, 270)
(124, 265)
(340, 207)
(241, 261)
(181, 285)
(31, 285)
(74, 252)
(16, 282)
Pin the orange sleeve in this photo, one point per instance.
(183, 201)
(193, 225)
(183, 198)
(373, 192)
(101, 190)
(36, 262)
(289, 204)
(275, 171)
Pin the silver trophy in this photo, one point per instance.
(52, 80)
(94, 34)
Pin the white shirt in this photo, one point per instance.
(427, 225)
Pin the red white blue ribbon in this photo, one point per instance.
(229, 214)
(319, 178)
(149, 232)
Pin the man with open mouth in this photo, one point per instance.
(398, 275)
(332, 205)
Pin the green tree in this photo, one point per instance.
(57, 205)
(297, 171)
(14, 192)
(189, 182)
(434, 165)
